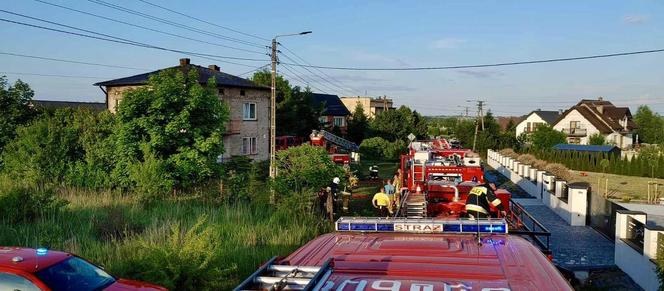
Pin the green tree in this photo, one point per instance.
(305, 167)
(15, 109)
(596, 139)
(295, 112)
(650, 125)
(178, 120)
(42, 151)
(545, 137)
(358, 125)
(397, 124)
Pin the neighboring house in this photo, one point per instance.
(590, 117)
(607, 149)
(534, 119)
(503, 121)
(248, 130)
(334, 113)
(372, 106)
(48, 104)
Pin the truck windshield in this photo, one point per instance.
(75, 274)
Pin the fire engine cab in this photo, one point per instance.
(411, 255)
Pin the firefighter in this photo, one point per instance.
(382, 202)
(373, 172)
(479, 198)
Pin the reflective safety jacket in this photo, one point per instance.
(479, 199)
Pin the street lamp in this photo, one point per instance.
(273, 111)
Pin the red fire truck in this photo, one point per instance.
(412, 255)
(341, 151)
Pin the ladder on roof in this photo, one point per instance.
(271, 276)
(349, 145)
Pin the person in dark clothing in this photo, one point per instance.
(479, 199)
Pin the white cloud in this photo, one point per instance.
(449, 42)
(635, 19)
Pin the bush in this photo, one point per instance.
(508, 153)
(540, 164)
(151, 179)
(26, 204)
(115, 224)
(185, 259)
(527, 159)
(305, 167)
(560, 171)
(377, 148)
(596, 139)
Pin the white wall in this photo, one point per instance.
(584, 123)
(639, 267)
(573, 211)
(521, 127)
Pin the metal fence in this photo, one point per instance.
(635, 234)
(601, 214)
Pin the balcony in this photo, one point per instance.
(575, 132)
(233, 127)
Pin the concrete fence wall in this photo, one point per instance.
(570, 203)
(636, 248)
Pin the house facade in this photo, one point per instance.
(334, 114)
(248, 130)
(535, 119)
(590, 117)
(372, 106)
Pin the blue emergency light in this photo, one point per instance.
(420, 225)
(42, 251)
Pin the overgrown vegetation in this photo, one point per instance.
(142, 194)
(377, 148)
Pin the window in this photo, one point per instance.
(322, 119)
(574, 124)
(249, 111)
(221, 91)
(16, 282)
(249, 146)
(241, 92)
(528, 129)
(574, 140)
(339, 121)
(75, 274)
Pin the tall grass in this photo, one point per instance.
(181, 244)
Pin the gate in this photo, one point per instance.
(601, 214)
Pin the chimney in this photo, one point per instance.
(600, 98)
(184, 62)
(560, 112)
(213, 68)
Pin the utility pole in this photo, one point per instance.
(480, 119)
(273, 111)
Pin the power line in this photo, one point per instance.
(304, 82)
(486, 65)
(256, 69)
(319, 70)
(127, 41)
(172, 23)
(118, 41)
(70, 61)
(148, 28)
(205, 21)
(51, 75)
(312, 80)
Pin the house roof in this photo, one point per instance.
(331, 103)
(95, 106)
(586, 148)
(602, 114)
(204, 74)
(548, 116)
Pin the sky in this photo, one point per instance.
(393, 34)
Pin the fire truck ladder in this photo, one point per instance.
(286, 277)
(412, 206)
(344, 143)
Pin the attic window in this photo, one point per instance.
(241, 92)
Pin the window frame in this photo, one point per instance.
(244, 111)
(342, 123)
(251, 147)
(37, 285)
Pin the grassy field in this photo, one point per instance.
(181, 244)
(620, 187)
(360, 204)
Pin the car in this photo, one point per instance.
(29, 269)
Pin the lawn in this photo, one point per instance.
(620, 187)
(360, 204)
(181, 244)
